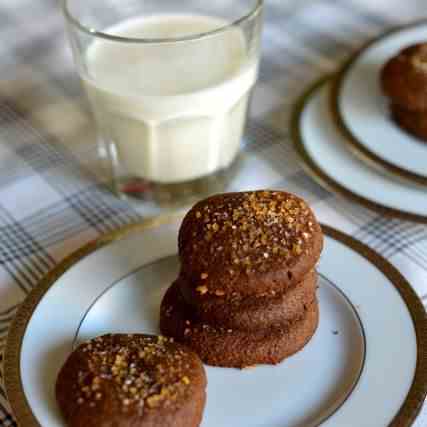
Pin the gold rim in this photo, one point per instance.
(418, 390)
(325, 180)
(13, 381)
(356, 145)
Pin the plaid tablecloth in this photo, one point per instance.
(52, 200)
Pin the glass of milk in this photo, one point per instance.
(169, 82)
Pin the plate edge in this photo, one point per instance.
(417, 393)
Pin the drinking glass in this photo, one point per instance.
(169, 83)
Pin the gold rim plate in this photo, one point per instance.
(354, 143)
(323, 178)
(13, 381)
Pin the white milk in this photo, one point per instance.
(175, 111)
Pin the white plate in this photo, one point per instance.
(325, 152)
(360, 369)
(364, 111)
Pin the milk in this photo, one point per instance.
(174, 112)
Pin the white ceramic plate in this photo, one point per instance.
(325, 153)
(360, 369)
(364, 111)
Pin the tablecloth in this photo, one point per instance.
(52, 198)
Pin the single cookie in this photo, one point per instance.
(253, 312)
(132, 380)
(231, 347)
(404, 78)
(249, 243)
(411, 121)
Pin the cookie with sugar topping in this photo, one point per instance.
(252, 312)
(248, 243)
(404, 78)
(129, 380)
(232, 347)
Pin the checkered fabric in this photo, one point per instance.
(52, 198)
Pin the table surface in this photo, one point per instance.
(52, 199)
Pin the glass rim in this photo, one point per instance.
(105, 35)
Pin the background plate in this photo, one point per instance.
(363, 111)
(326, 157)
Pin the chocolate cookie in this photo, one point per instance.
(404, 78)
(252, 312)
(411, 121)
(132, 380)
(231, 347)
(249, 243)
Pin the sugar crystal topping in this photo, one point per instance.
(139, 370)
(419, 58)
(250, 231)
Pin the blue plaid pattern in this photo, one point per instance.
(52, 196)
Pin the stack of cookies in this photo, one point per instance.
(404, 81)
(246, 293)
